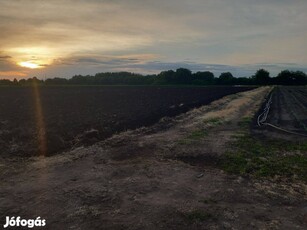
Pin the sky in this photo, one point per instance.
(62, 38)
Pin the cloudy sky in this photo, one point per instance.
(61, 38)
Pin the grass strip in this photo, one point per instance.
(249, 155)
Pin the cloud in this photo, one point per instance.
(101, 60)
(9, 70)
(7, 64)
(95, 34)
(148, 64)
(5, 57)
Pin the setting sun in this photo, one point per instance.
(30, 65)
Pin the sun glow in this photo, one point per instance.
(30, 65)
(32, 57)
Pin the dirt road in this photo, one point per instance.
(161, 177)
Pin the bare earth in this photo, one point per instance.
(160, 177)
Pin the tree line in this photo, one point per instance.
(180, 76)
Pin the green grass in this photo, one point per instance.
(252, 156)
(194, 136)
(234, 96)
(245, 122)
(198, 134)
(214, 121)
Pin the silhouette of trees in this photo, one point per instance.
(181, 76)
(166, 77)
(243, 81)
(119, 78)
(56, 81)
(203, 78)
(287, 77)
(262, 77)
(300, 78)
(284, 78)
(226, 79)
(5, 82)
(30, 82)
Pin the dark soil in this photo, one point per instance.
(75, 116)
(288, 111)
(160, 178)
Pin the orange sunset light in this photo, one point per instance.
(30, 65)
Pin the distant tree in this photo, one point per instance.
(34, 81)
(22, 82)
(262, 77)
(203, 78)
(244, 81)
(226, 79)
(287, 77)
(180, 76)
(183, 76)
(165, 77)
(78, 80)
(5, 82)
(56, 81)
(15, 82)
(300, 78)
